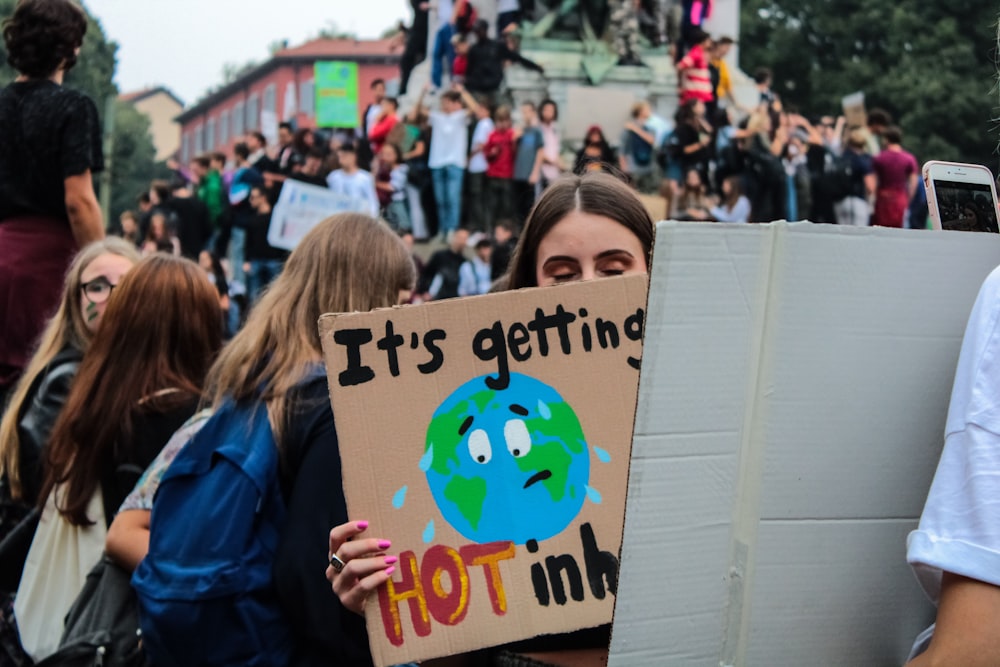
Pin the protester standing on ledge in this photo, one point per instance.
(50, 144)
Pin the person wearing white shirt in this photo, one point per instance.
(353, 182)
(476, 275)
(476, 178)
(734, 207)
(447, 156)
(955, 551)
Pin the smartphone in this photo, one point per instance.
(961, 197)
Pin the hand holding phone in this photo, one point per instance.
(961, 197)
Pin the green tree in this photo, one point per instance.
(133, 160)
(930, 64)
(333, 31)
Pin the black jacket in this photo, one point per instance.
(41, 408)
(487, 58)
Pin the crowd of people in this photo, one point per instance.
(468, 160)
(115, 358)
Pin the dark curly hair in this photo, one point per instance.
(43, 35)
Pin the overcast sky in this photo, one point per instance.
(183, 44)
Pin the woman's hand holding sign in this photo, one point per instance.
(357, 567)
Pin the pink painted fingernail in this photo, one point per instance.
(390, 570)
(389, 560)
(362, 525)
(384, 544)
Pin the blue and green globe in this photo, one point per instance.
(506, 465)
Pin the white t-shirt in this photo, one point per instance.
(444, 11)
(475, 277)
(359, 185)
(371, 116)
(477, 161)
(449, 139)
(739, 213)
(959, 530)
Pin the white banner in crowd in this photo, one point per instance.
(792, 399)
(301, 207)
(269, 126)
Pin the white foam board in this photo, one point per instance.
(793, 392)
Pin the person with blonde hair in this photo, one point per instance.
(38, 398)
(138, 382)
(855, 209)
(349, 262)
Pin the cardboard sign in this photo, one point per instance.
(795, 383)
(489, 439)
(854, 109)
(655, 205)
(301, 207)
(336, 94)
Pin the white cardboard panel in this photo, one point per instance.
(794, 387)
(829, 581)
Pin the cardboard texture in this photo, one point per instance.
(793, 394)
(489, 439)
(655, 205)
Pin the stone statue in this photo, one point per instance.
(584, 20)
(609, 30)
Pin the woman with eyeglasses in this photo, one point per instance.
(41, 393)
(138, 382)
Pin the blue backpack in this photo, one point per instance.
(206, 590)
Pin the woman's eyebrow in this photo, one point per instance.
(559, 258)
(614, 251)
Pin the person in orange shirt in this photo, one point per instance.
(723, 82)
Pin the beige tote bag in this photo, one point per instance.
(60, 557)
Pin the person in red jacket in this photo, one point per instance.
(692, 70)
(387, 119)
(499, 151)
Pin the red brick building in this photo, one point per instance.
(283, 86)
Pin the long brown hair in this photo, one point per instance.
(161, 330)
(67, 328)
(595, 193)
(347, 263)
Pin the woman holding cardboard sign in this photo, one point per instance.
(582, 228)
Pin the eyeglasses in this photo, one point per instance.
(97, 290)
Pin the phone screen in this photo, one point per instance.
(967, 207)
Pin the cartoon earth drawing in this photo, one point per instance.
(507, 465)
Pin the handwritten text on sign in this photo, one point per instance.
(489, 438)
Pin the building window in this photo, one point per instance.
(210, 135)
(186, 148)
(238, 125)
(199, 140)
(306, 102)
(253, 113)
(224, 128)
(271, 98)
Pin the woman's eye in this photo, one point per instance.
(614, 267)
